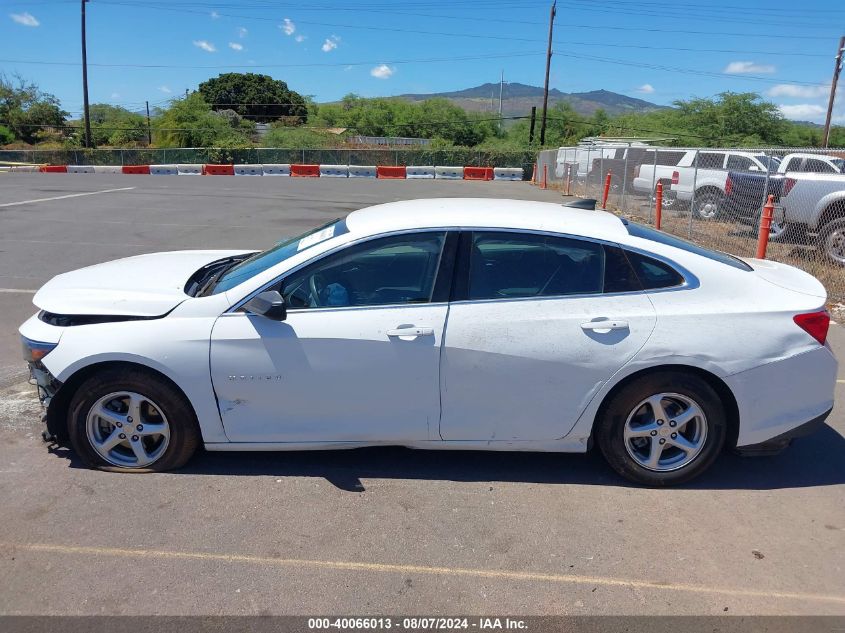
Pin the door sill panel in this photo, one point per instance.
(565, 445)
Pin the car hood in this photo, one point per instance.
(145, 285)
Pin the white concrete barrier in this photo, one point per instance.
(417, 171)
(334, 171)
(5, 168)
(449, 173)
(80, 169)
(108, 169)
(29, 169)
(507, 173)
(279, 169)
(249, 170)
(189, 170)
(362, 171)
(164, 170)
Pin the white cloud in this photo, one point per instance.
(235, 46)
(166, 90)
(801, 92)
(242, 32)
(646, 89)
(27, 19)
(382, 71)
(301, 38)
(114, 96)
(204, 45)
(215, 15)
(803, 112)
(745, 68)
(288, 26)
(330, 44)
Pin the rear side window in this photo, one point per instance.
(654, 274)
(647, 233)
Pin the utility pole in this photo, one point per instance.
(836, 70)
(548, 68)
(149, 129)
(501, 89)
(87, 141)
(533, 121)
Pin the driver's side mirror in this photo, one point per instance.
(269, 304)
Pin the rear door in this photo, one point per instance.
(537, 325)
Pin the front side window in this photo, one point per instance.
(506, 265)
(819, 167)
(710, 160)
(397, 269)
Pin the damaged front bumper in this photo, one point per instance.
(47, 387)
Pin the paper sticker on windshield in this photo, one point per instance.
(316, 238)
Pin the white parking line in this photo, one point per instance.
(70, 195)
(17, 291)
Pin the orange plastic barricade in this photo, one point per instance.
(385, 171)
(305, 171)
(136, 169)
(478, 173)
(53, 169)
(218, 170)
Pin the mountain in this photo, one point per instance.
(517, 99)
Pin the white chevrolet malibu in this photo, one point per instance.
(438, 324)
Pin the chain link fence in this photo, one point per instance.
(272, 155)
(715, 197)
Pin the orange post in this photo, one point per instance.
(765, 227)
(658, 206)
(544, 184)
(534, 173)
(606, 190)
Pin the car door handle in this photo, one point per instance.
(605, 324)
(411, 332)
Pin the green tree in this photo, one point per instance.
(259, 98)
(116, 126)
(27, 111)
(190, 122)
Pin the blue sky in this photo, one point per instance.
(659, 50)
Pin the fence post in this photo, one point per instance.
(692, 199)
(568, 179)
(606, 188)
(658, 206)
(534, 171)
(765, 227)
(625, 179)
(651, 209)
(544, 185)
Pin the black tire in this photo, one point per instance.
(184, 437)
(833, 231)
(705, 200)
(615, 411)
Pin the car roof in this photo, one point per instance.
(485, 213)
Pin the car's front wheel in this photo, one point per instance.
(131, 420)
(662, 429)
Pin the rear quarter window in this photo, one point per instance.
(647, 233)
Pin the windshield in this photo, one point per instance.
(286, 249)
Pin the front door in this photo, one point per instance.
(356, 359)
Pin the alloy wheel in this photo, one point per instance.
(127, 429)
(834, 245)
(665, 432)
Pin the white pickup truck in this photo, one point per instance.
(699, 178)
(815, 205)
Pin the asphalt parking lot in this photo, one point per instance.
(376, 530)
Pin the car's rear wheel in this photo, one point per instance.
(131, 420)
(662, 429)
(707, 204)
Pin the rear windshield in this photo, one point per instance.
(648, 233)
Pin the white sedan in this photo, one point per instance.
(437, 324)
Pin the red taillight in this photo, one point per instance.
(676, 177)
(815, 324)
(788, 184)
(728, 185)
